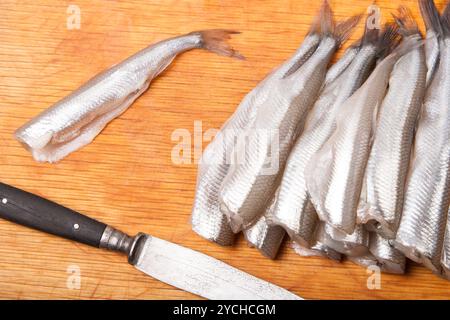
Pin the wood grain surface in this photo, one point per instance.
(126, 178)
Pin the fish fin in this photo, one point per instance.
(316, 24)
(406, 23)
(388, 40)
(214, 40)
(325, 19)
(445, 21)
(343, 30)
(408, 44)
(430, 15)
(371, 35)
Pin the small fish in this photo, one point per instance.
(294, 211)
(207, 219)
(335, 174)
(267, 239)
(432, 20)
(76, 120)
(389, 158)
(420, 235)
(251, 181)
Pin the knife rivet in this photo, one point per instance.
(4, 201)
(76, 226)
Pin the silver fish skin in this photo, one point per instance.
(77, 119)
(432, 21)
(355, 244)
(335, 173)
(318, 249)
(293, 210)
(388, 258)
(264, 237)
(421, 232)
(341, 65)
(445, 259)
(207, 219)
(390, 155)
(251, 181)
(302, 232)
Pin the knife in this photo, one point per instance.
(178, 266)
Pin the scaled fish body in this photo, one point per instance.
(76, 120)
(266, 238)
(207, 219)
(389, 158)
(355, 244)
(445, 260)
(422, 227)
(293, 209)
(251, 181)
(335, 173)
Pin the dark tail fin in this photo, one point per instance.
(445, 21)
(430, 15)
(340, 31)
(406, 23)
(344, 29)
(389, 40)
(214, 40)
(371, 33)
(316, 26)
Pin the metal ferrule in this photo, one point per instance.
(116, 240)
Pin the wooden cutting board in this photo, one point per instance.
(126, 178)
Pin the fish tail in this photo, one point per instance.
(406, 23)
(388, 40)
(343, 30)
(445, 21)
(214, 40)
(328, 28)
(325, 18)
(316, 25)
(430, 15)
(371, 33)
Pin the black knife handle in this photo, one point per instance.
(38, 213)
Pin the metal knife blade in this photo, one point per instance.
(202, 275)
(178, 266)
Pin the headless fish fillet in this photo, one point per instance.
(335, 174)
(261, 156)
(76, 120)
(445, 260)
(294, 211)
(422, 227)
(266, 238)
(207, 219)
(355, 244)
(432, 21)
(390, 155)
(381, 255)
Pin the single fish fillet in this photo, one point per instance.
(422, 227)
(77, 119)
(432, 21)
(389, 158)
(207, 219)
(294, 211)
(267, 239)
(262, 152)
(335, 174)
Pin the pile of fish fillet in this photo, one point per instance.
(348, 161)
